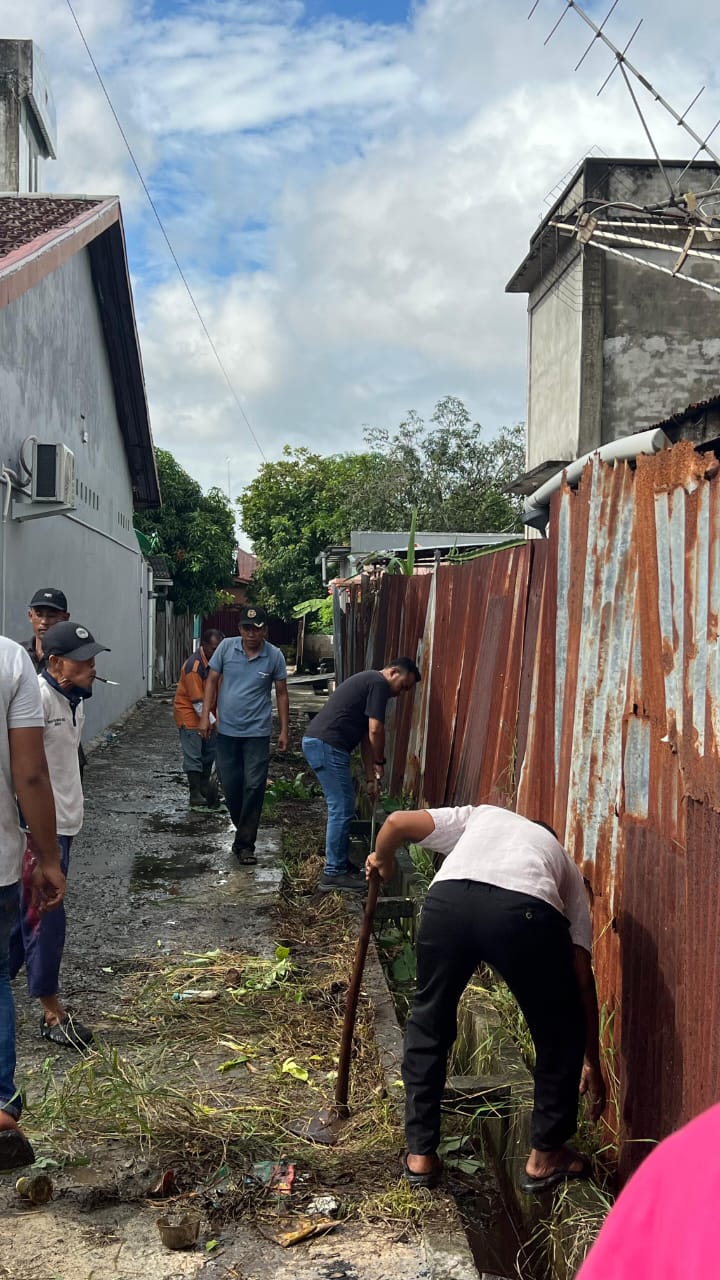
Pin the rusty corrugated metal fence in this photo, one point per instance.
(578, 680)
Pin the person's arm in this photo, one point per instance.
(283, 710)
(399, 828)
(591, 1080)
(194, 686)
(376, 746)
(209, 698)
(32, 787)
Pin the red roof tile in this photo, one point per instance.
(24, 219)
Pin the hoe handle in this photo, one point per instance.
(351, 1003)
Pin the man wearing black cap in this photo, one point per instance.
(249, 667)
(48, 606)
(38, 940)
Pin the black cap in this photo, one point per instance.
(252, 615)
(70, 640)
(49, 598)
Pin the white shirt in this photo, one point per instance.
(21, 708)
(61, 740)
(497, 846)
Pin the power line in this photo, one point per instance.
(165, 236)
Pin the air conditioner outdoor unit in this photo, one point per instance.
(53, 474)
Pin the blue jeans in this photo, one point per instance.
(38, 941)
(332, 770)
(242, 765)
(9, 1100)
(198, 753)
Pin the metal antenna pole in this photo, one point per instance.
(623, 61)
(648, 134)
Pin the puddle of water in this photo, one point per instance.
(187, 824)
(149, 871)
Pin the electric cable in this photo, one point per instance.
(165, 236)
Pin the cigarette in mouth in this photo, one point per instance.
(104, 681)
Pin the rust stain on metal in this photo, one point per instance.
(578, 680)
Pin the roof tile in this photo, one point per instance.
(24, 219)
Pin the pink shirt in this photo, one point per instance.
(664, 1225)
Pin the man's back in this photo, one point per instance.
(498, 846)
(21, 708)
(343, 721)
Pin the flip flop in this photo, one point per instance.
(69, 1033)
(245, 857)
(428, 1180)
(15, 1150)
(533, 1186)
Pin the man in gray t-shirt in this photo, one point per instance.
(241, 676)
(23, 773)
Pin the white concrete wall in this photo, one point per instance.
(555, 331)
(55, 383)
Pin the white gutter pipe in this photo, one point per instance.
(536, 511)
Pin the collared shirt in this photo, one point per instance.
(497, 846)
(39, 663)
(191, 690)
(64, 719)
(245, 697)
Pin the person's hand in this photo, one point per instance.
(282, 740)
(372, 788)
(204, 725)
(592, 1086)
(384, 868)
(48, 886)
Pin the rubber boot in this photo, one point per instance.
(198, 799)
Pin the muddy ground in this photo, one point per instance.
(151, 883)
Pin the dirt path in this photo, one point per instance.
(203, 1089)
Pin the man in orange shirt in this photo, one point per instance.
(198, 753)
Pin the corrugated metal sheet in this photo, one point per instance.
(578, 680)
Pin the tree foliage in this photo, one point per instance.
(442, 469)
(195, 532)
(446, 471)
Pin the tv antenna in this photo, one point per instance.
(671, 226)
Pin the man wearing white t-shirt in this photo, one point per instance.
(38, 940)
(23, 773)
(507, 895)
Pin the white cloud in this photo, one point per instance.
(348, 200)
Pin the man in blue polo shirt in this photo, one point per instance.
(249, 668)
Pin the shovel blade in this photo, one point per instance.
(323, 1128)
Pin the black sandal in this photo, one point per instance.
(245, 857)
(15, 1150)
(428, 1180)
(533, 1186)
(69, 1033)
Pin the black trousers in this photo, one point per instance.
(463, 924)
(242, 765)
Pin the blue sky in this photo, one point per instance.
(348, 186)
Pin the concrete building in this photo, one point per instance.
(27, 116)
(76, 452)
(613, 346)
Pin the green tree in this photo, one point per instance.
(195, 532)
(442, 470)
(446, 471)
(291, 511)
